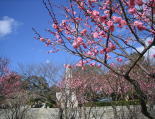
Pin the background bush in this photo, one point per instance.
(113, 103)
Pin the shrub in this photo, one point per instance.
(113, 103)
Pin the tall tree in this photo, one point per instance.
(105, 33)
(40, 80)
(10, 82)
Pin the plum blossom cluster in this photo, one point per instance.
(9, 84)
(95, 35)
(107, 33)
(107, 84)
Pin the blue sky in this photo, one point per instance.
(17, 17)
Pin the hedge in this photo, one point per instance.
(113, 103)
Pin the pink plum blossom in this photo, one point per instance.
(117, 19)
(95, 35)
(131, 3)
(132, 10)
(42, 39)
(139, 25)
(55, 26)
(119, 59)
(84, 31)
(95, 13)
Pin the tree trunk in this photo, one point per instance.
(141, 97)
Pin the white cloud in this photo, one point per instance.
(47, 61)
(7, 25)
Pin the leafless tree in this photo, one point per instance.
(41, 80)
(17, 106)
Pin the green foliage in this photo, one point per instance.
(113, 103)
(51, 104)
